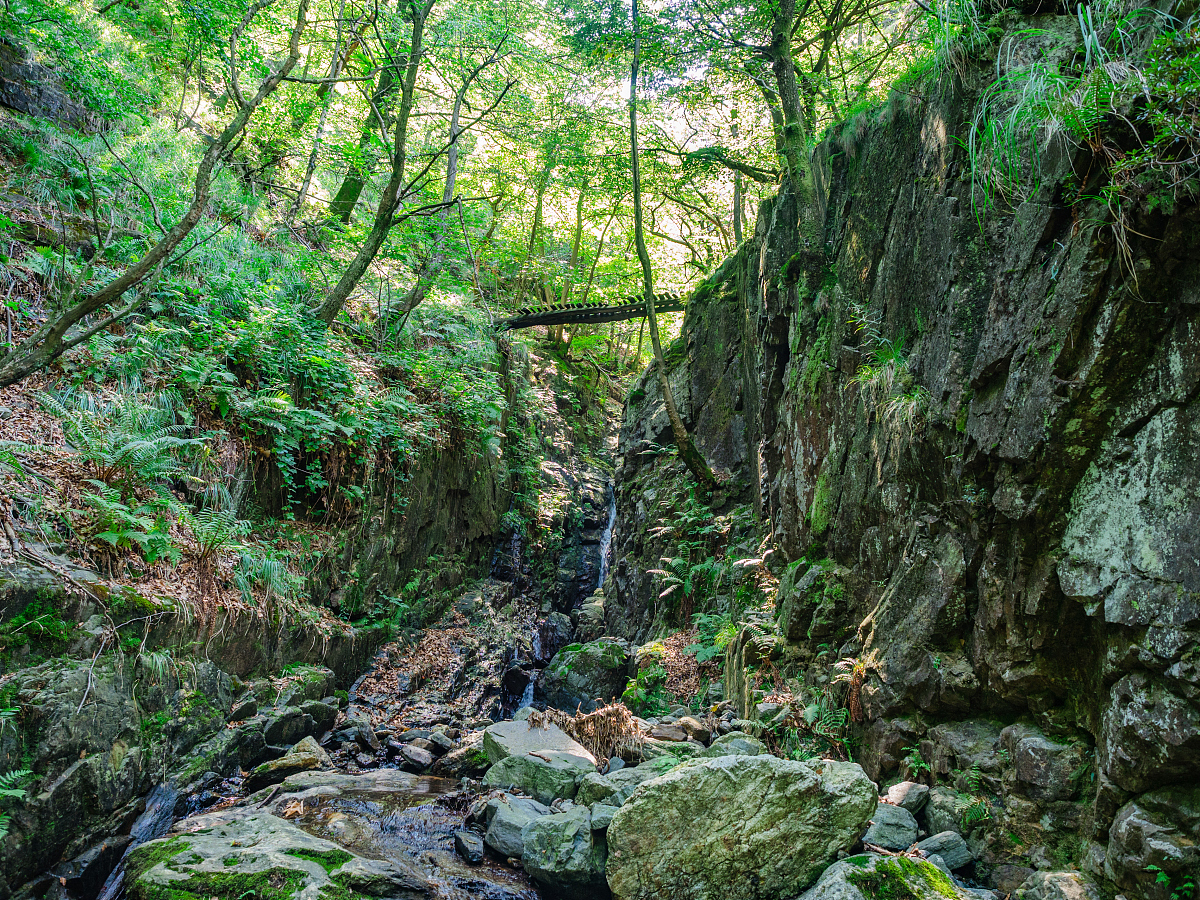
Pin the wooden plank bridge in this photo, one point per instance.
(589, 313)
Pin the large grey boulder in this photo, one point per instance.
(547, 776)
(892, 828)
(516, 738)
(276, 853)
(507, 818)
(700, 830)
(1161, 828)
(565, 855)
(581, 674)
(872, 877)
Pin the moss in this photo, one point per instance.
(818, 357)
(794, 267)
(327, 859)
(144, 858)
(273, 884)
(901, 878)
(964, 409)
(821, 511)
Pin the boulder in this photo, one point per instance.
(464, 762)
(602, 815)
(507, 817)
(700, 829)
(872, 877)
(564, 854)
(287, 726)
(306, 755)
(517, 738)
(361, 730)
(736, 743)
(909, 795)
(594, 788)
(581, 674)
(546, 776)
(950, 846)
(414, 759)
(671, 733)
(1161, 828)
(469, 846)
(1043, 769)
(892, 828)
(944, 811)
(285, 861)
(323, 714)
(1056, 886)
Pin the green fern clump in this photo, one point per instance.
(124, 442)
(9, 780)
(214, 531)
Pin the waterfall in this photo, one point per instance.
(527, 695)
(606, 538)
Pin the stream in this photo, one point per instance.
(480, 666)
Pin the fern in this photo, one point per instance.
(124, 441)
(121, 526)
(10, 791)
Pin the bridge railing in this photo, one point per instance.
(576, 313)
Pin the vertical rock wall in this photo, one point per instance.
(1012, 512)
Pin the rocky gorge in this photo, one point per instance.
(932, 636)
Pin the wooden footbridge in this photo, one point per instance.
(589, 313)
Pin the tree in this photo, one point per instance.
(68, 328)
(683, 441)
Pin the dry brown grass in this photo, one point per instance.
(605, 733)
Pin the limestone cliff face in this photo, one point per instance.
(985, 424)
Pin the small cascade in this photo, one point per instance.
(527, 696)
(606, 537)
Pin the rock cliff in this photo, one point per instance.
(971, 432)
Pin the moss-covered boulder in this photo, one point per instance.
(871, 877)
(751, 827)
(581, 674)
(233, 854)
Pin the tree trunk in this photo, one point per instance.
(570, 276)
(683, 441)
(390, 199)
(342, 205)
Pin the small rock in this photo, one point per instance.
(364, 732)
(602, 815)
(422, 744)
(694, 729)
(950, 846)
(736, 743)
(469, 846)
(413, 734)
(415, 759)
(671, 733)
(365, 760)
(442, 743)
(323, 714)
(246, 708)
(614, 765)
(909, 795)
